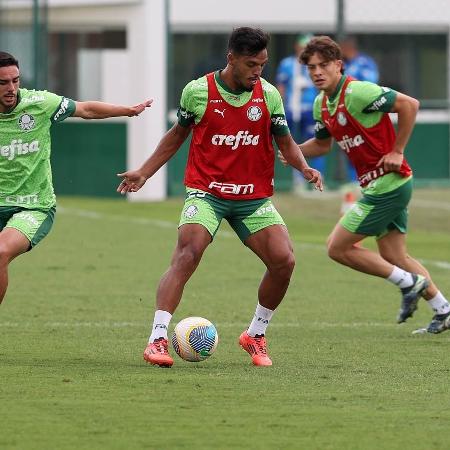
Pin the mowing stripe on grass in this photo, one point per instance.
(226, 234)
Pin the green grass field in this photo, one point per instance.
(79, 307)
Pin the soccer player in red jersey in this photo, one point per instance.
(233, 115)
(356, 115)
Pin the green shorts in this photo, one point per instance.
(35, 224)
(244, 216)
(376, 215)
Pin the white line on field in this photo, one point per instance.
(225, 233)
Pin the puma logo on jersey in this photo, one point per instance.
(222, 113)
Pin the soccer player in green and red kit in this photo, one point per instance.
(233, 114)
(27, 200)
(356, 115)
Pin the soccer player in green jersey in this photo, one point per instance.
(356, 114)
(234, 114)
(27, 200)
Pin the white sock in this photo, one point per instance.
(160, 325)
(400, 278)
(439, 304)
(260, 321)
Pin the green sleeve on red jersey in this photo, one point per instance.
(274, 102)
(193, 102)
(384, 102)
(367, 102)
(320, 130)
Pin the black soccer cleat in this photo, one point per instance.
(440, 323)
(411, 296)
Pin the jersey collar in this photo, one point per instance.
(224, 86)
(333, 96)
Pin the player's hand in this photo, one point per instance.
(282, 158)
(132, 181)
(137, 109)
(314, 177)
(391, 162)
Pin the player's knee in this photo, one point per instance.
(188, 257)
(285, 267)
(5, 254)
(289, 264)
(335, 252)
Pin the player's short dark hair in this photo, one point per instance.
(328, 49)
(248, 41)
(6, 59)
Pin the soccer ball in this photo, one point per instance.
(195, 339)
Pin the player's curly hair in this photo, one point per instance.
(328, 49)
(6, 59)
(248, 41)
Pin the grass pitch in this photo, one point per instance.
(79, 308)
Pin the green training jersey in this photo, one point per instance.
(195, 98)
(25, 146)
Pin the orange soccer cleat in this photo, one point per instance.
(157, 353)
(256, 347)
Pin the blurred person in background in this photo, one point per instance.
(298, 93)
(234, 115)
(27, 199)
(356, 114)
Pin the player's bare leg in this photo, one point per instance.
(192, 242)
(343, 249)
(393, 249)
(274, 248)
(12, 244)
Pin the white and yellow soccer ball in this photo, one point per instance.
(195, 339)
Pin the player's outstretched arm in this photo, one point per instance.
(293, 156)
(311, 148)
(101, 110)
(133, 180)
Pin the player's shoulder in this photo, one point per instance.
(317, 105)
(358, 89)
(268, 88)
(198, 85)
(33, 97)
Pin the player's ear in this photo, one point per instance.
(230, 58)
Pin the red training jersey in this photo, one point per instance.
(363, 146)
(231, 153)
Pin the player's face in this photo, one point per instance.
(324, 74)
(9, 85)
(246, 70)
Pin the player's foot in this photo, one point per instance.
(157, 353)
(440, 323)
(411, 296)
(256, 347)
